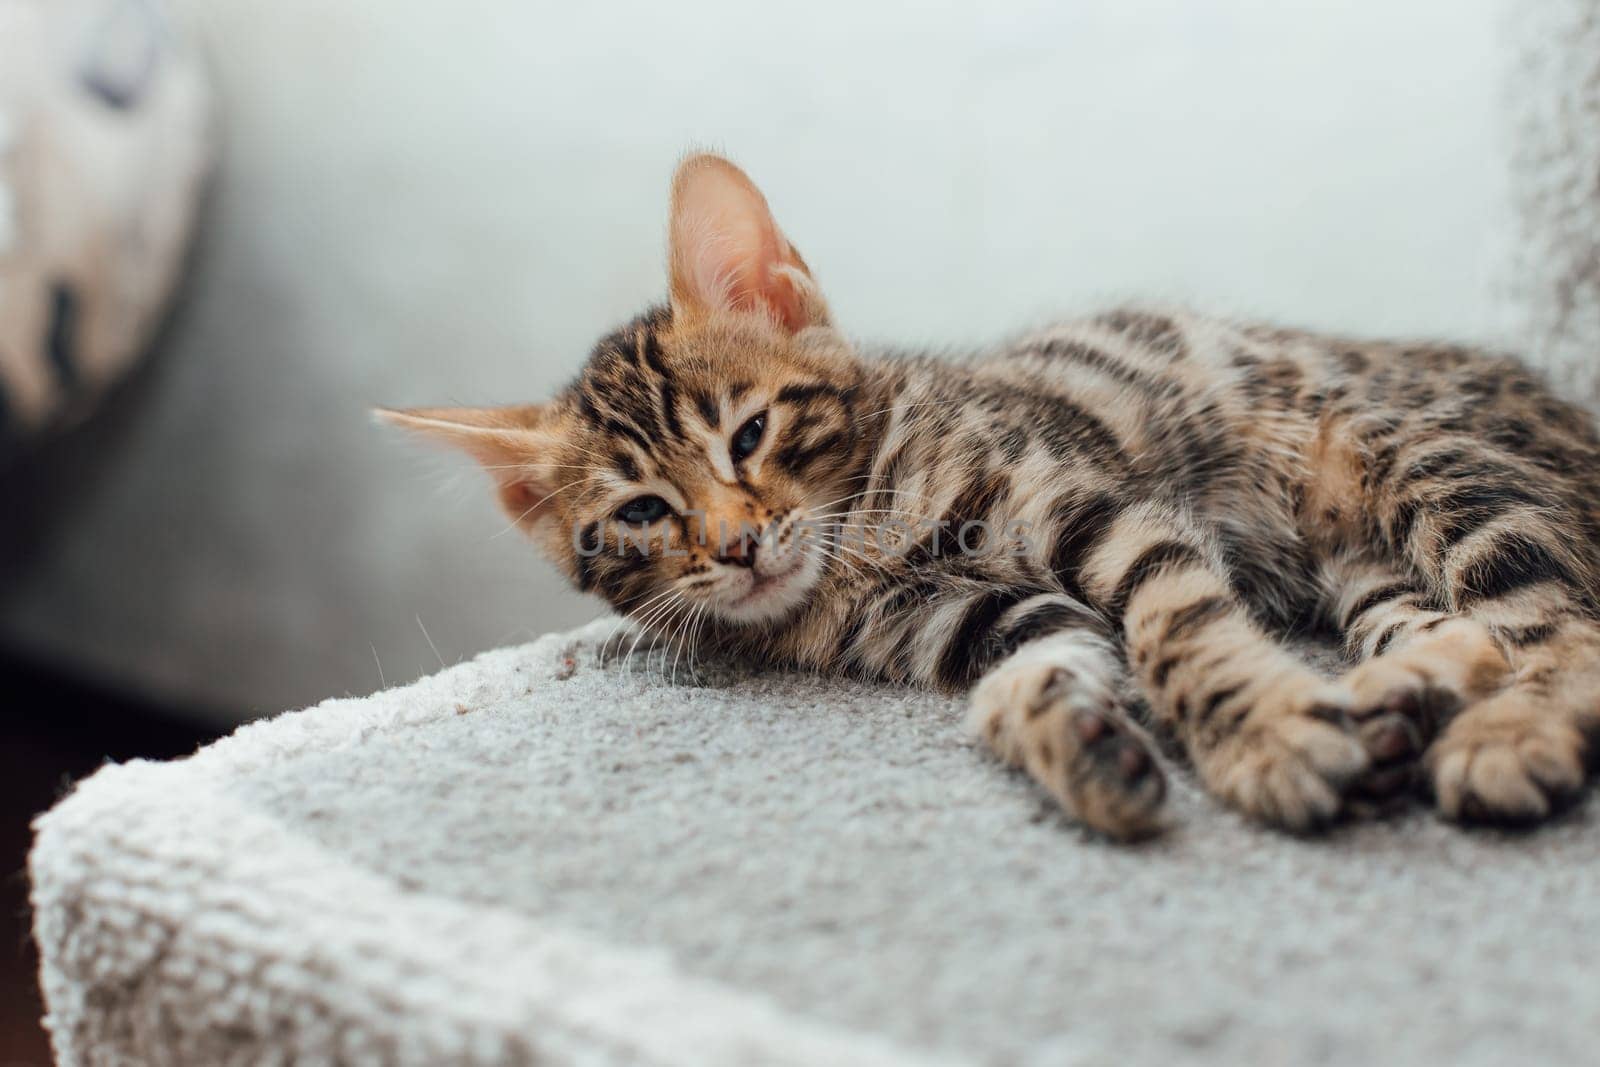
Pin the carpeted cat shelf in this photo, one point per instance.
(539, 857)
(546, 856)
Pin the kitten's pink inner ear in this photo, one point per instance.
(510, 443)
(727, 252)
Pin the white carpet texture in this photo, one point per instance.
(536, 857)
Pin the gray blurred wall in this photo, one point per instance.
(424, 202)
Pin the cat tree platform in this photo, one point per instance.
(534, 857)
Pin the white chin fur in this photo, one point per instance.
(780, 598)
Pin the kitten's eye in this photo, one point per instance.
(748, 437)
(641, 510)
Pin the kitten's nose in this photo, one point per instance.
(741, 552)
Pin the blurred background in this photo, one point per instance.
(414, 202)
(420, 202)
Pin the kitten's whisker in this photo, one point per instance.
(848, 506)
(648, 612)
(537, 463)
(838, 546)
(669, 627)
(830, 551)
(847, 564)
(694, 647)
(626, 613)
(897, 406)
(428, 639)
(694, 617)
(876, 564)
(534, 507)
(870, 492)
(867, 511)
(646, 625)
(644, 616)
(680, 635)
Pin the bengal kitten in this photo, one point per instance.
(1164, 496)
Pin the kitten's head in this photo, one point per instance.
(700, 455)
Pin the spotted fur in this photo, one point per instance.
(1104, 527)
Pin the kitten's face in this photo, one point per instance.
(716, 456)
(698, 461)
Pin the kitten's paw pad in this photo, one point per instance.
(1073, 737)
(1506, 763)
(1110, 779)
(1292, 768)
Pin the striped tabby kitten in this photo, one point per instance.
(1161, 496)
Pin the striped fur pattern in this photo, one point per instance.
(1107, 531)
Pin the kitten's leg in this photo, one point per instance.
(1267, 734)
(1048, 686)
(1418, 666)
(1516, 562)
(1521, 753)
(1053, 708)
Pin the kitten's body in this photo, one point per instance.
(1287, 448)
(1154, 494)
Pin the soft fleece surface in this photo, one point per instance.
(534, 856)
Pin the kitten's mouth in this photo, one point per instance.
(764, 584)
(770, 595)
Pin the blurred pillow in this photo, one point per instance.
(104, 141)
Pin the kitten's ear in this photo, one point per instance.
(726, 253)
(515, 445)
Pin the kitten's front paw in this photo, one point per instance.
(1072, 736)
(1506, 760)
(1402, 698)
(1292, 760)
(1396, 711)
